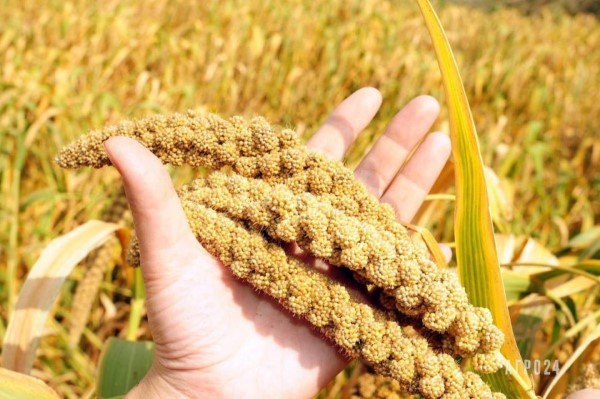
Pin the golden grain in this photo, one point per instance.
(298, 196)
(355, 327)
(332, 216)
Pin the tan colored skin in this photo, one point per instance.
(585, 394)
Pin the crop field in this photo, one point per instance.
(67, 67)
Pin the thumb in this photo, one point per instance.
(160, 223)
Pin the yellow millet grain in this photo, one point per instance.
(253, 148)
(193, 138)
(374, 386)
(381, 259)
(357, 328)
(476, 388)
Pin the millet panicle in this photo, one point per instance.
(380, 258)
(358, 329)
(275, 185)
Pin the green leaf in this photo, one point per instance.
(532, 314)
(516, 285)
(123, 364)
(20, 386)
(476, 255)
(137, 304)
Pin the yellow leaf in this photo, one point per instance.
(20, 386)
(500, 205)
(534, 252)
(431, 244)
(41, 288)
(475, 247)
(506, 245)
(572, 287)
(593, 336)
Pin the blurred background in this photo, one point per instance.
(532, 6)
(531, 70)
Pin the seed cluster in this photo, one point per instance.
(375, 386)
(382, 258)
(274, 186)
(361, 331)
(193, 138)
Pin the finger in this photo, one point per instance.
(345, 123)
(160, 222)
(380, 166)
(447, 251)
(408, 190)
(585, 394)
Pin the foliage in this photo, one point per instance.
(122, 366)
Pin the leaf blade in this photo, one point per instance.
(123, 364)
(476, 254)
(42, 286)
(20, 386)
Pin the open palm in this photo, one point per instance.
(217, 337)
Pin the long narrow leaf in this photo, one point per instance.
(594, 335)
(40, 289)
(475, 247)
(20, 386)
(123, 364)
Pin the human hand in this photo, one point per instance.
(217, 337)
(585, 394)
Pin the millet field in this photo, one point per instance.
(532, 78)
